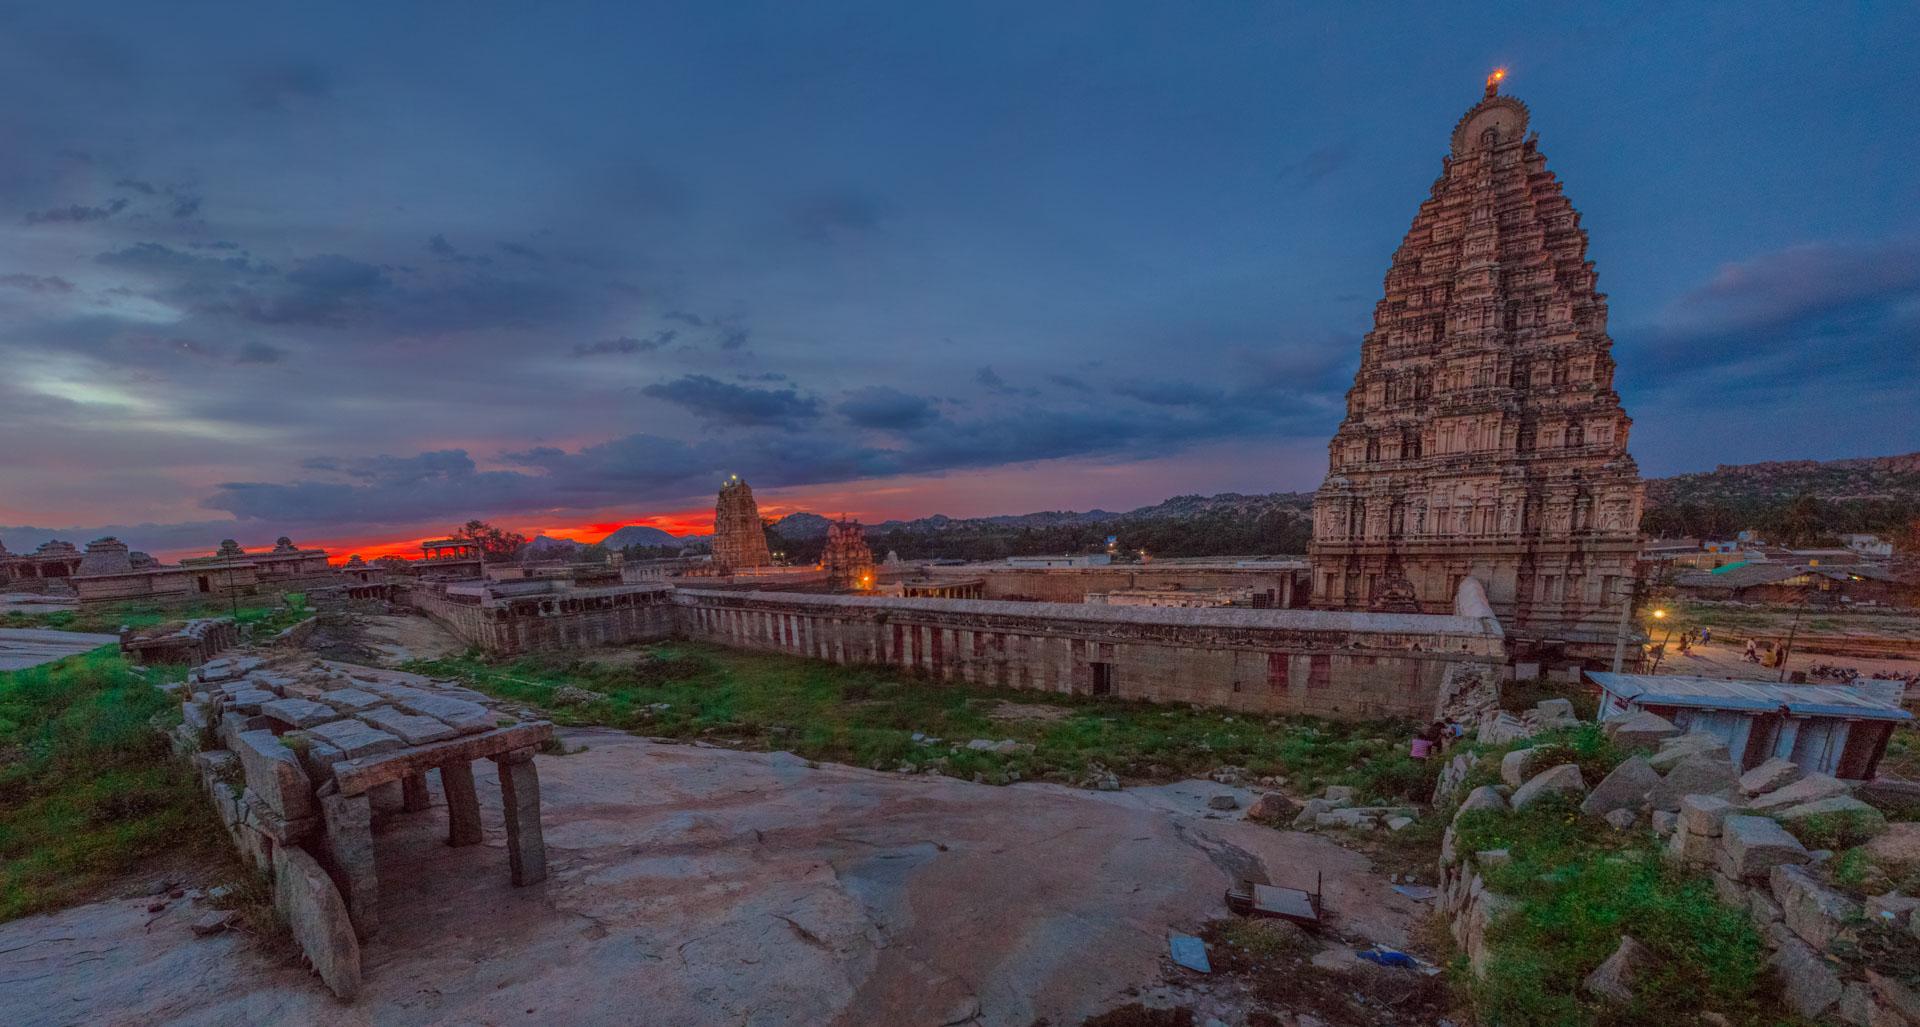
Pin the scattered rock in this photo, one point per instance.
(1811, 788)
(1271, 806)
(1482, 797)
(1621, 819)
(1665, 823)
(1310, 814)
(1816, 913)
(1337, 793)
(1704, 814)
(1561, 780)
(1223, 801)
(1517, 766)
(1640, 730)
(1613, 980)
(1493, 857)
(1772, 775)
(1892, 909)
(1399, 823)
(156, 907)
(1696, 775)
(1673, 750)
(572, 695)
(1811, 987)
(1895, 996)
(1627, 787)
(1898, 846)
(1753, 846)
(213, 921)
(1862, 820)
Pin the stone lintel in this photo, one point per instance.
(358, 775)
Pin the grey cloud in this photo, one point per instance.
(887, 409)
(37, 283)
(283, 86)
(145, 188)
(520, 250)
(260, 353)
(1069, 382)
(185, 207)
(75, 214)
(625, 344)
(987, 377)
(1318, 164)
(722, 403)
(325, 291)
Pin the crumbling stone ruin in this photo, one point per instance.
(738, 539)
(46, 569)
(847, 560)
(297, 755)
(193, 643)
(1483, 436)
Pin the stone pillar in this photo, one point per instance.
(348, 840)
(463, 805)
(413, 790)
(520, 795)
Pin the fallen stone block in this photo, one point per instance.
(1664, 823)
(318, 920)
(1517, 766)
(1857, 1005)
(463, 717)
(1686, 847)
(1810, 985)
(1895, 996)
(1626, 787)
(1696, 775)
(1762, 909)
(1640, 729)
(213, 921)
(1811, 788)
(1898, 846)
(1309, 816)
(1399, 823)
(412, 729)
(274, 774)
(1492, 857)
(297, 712)
(1561, 780)
(1223, 801)
(1753, 846)
(1614, 980)
(1703, 814)
(1483, 797)
(1818, 914)
(1555, 710)
(1673, 750)
(1271, 806)
(1862, 820)
(316, 755)
(1772, 775)
(1336, 793)
(259, 816)
(1621, 819)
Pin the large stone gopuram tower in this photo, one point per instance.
(739, 542)
(1483, 436)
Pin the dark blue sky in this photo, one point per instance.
(357, 270)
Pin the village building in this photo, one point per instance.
(1483, 437)
(1826, 729)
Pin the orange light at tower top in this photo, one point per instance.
(1493, 80)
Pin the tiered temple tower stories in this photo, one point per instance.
(739, 542)
(847, 560)
(1483, 436)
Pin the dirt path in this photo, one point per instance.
(699, 886)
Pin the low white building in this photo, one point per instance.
(1840, 730)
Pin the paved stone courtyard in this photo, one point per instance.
(692, 885)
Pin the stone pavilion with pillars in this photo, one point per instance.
(1483, 437)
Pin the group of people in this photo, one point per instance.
(1438, 737)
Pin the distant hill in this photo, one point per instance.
(642, 535)
(802, 525)
(1881, 477)
(542, 545)
(1177, 508)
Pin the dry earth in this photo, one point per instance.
(695, 885)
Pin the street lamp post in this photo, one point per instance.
(1657, 657)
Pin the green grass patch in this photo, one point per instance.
(1581, 885)
(109, 619)
(868, 716)
(87, 787)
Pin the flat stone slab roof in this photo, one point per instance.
(1758, 696)
(21, 648)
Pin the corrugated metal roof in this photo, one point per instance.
(1758, 696)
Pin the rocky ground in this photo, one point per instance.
(695, 885)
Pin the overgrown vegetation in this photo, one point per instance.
(87, 787)
(1580, 885)
(869, 716)
(109, 619)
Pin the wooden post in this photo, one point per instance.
(463, 805)
(520, 794)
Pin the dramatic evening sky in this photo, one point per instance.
(355, 271)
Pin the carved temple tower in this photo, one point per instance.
(1483, 436)
(847, 560)
(739, 542)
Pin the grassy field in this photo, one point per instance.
(88, 789)
(108, 619)
(869, 716)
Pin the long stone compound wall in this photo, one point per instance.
(297, 756)
(1736, 830)
(1347, 665)
(548, 619)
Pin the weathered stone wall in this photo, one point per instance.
(1283, 586)
(583, 617)
(1328, 664)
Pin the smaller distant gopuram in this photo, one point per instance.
(739, 542)
(848, 562)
